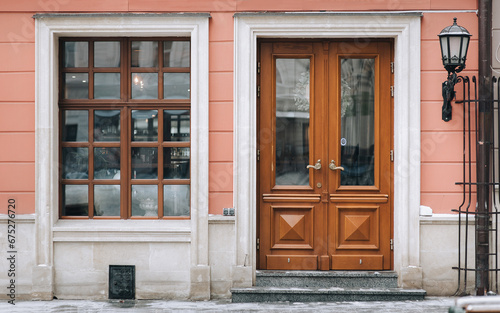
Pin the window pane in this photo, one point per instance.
(75, 200)
(107, 86)
(107, 200)
(176, 200)
(144, 86)
(144, 53)
(175, 163)
(144, 200)
(292, 121)
(144, 163)
(176, 53)
(176, 86)
(106, 163)
(176, 125)
(75, 125)
(75, 163)
(144, 125)
(357, 121)
(76, 54)
(107, 54)
(76, 86)
(107, 125)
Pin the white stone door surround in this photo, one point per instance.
(404, 28)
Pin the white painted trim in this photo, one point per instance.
(405, 29)
(220, 219)
(49, 27)
(122, 231)
(446, 219)
(19, 219)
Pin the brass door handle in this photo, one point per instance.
(316, 166)
(334, 167)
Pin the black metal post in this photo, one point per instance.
(483, 148)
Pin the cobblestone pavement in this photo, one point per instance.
(431, 304)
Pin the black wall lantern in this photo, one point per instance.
(454, 41)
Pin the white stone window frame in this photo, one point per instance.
(404, 28)
(49, 228)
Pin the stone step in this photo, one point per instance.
(327, 279)
(275, 294)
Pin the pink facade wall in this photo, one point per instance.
(441, 142)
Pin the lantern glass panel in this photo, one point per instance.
(444, 49)
(465, 46)
(455, 45)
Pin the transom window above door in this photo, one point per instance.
(124, 128)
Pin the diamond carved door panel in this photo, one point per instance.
(292, 227)
(324, 172)
(357, 227)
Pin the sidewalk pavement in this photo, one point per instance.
(430, 304)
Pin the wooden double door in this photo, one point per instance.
(325, 158)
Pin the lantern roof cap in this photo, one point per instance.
(454, 30)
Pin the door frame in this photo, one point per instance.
(404, 28)
(320, 248)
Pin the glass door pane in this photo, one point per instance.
(292, 121)
(357, 121)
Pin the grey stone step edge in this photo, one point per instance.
(327, 279)
(272, 294)
(342, 274)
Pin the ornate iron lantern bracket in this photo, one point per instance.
(454, 42)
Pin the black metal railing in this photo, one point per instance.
(468, 212)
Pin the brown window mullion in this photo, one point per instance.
(176, 181)
(160, 160)
(125, 90)
(176, 144)
(91, 70)
(143, 144)
(107, 144)
(125, 166)
(160, 69)
(176, 70)
(91, 163)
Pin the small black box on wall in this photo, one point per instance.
(121, 282)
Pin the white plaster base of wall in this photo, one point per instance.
(162, 270)
(221, 256)
(439, 253)
(21, 269)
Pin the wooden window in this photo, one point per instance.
(124, 106)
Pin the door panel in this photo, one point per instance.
(291, 210)
(357, 227)
(359, 211)
(324, 134)
(358, 262)
(292, 227)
